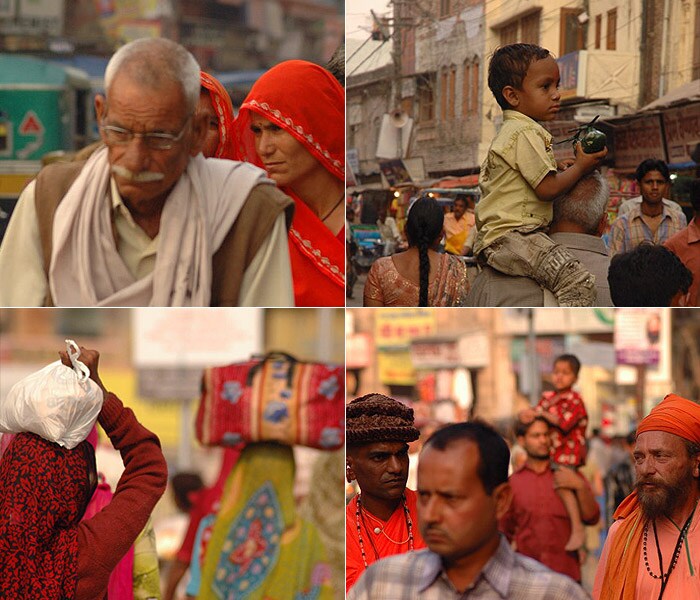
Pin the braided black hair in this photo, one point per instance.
(423, 227)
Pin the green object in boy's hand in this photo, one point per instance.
(592, 140)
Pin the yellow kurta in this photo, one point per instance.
(518, 160)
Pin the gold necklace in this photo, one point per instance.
(378, 530)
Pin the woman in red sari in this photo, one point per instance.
(292, 125)
(215, 102)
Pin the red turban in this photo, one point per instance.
(674, 415)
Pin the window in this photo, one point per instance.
(524, 29)
(598, 30)
(474, 99)
(610, 43)
(530, 29)
(452, 83)
(466, 82)
(509, 34)
(443, 94)
(426, 97)
(445, 8)
(571, 32)
(470, 88)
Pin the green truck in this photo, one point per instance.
(44, 107)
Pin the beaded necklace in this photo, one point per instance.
(676, 552)
(360, 515)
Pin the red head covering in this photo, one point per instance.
(674, 415)
(223, 108)
(307, 102)
(45, 489)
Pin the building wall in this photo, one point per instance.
(451, 48)
(651, 50)
(222, 36)
(368, 98)
(496, 382)
(680, 40)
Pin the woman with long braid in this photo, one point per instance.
(420, 276)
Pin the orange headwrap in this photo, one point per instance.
(674, 415)
(223, 108)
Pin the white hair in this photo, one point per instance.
(153, 62)
(584, 204)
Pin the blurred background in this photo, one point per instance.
(153, 360)
(452, 364)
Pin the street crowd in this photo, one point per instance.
(471, 530)
(536, 232)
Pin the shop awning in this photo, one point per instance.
(688, 92)
(465, 181)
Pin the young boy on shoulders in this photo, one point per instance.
(520, 178)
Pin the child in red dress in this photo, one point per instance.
(566, 413)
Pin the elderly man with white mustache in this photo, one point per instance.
(147, 220)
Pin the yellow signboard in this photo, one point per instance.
(396, 368)
(395, 328)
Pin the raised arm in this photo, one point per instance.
(556, 184)
(105, 538)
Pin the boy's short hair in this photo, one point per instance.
(509, 65)
(652, 164)
(573, 361)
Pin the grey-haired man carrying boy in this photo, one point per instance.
(519, 178)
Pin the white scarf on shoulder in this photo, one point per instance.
(86, 269)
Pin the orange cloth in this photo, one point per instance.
(684, 581)
(307, 102)
(674, 415)
(395, 528)
(223, 108)
(686, 245)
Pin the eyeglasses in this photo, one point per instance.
(154, 141)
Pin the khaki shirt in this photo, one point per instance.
(518, 160)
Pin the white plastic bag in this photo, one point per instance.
(57, 403)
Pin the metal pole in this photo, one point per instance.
(184, 447)
(532, 345)
(639, 392)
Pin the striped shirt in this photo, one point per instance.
(420, 576)
(630, 230)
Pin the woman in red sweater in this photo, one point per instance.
(45, 551)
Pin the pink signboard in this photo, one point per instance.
(682, 129)
(638, 139)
